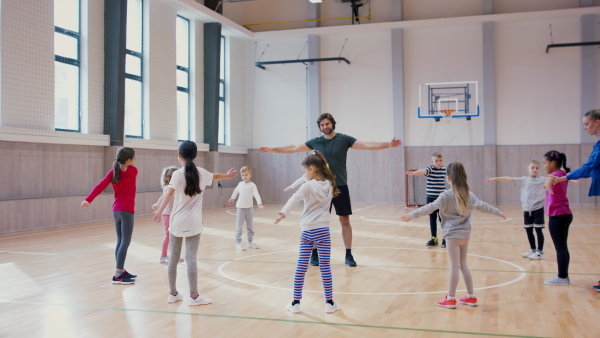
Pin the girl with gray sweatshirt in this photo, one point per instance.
(456, 206)
(316, 194)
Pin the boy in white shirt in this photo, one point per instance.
(245, 210)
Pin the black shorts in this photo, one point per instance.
(341, 202)
(534, 218)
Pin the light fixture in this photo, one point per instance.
(316, 1)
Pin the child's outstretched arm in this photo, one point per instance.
(500, 179)
(425, 210)
(296, 183)
(549, 183)
(296, 198)
(232, 173)
(257, 196)
(484, 207)
(417, 172)
(168, 196)
(157, 204)
(578, 182)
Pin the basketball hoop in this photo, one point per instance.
(447, 114)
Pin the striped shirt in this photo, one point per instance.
(436, 181)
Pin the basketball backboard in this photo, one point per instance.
(448, 99)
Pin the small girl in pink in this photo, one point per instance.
(559, 214)
(165, 178)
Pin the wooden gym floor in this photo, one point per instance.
(56, 282)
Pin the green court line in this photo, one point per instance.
(273, 319)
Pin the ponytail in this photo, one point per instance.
(317, 160)
(123, 155)
(188, 151)
(559, 158)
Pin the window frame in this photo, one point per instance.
(222, 82)
(138, 78)
(184, 89)
(71, 62)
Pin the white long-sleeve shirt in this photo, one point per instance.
(246, 191)
(169, 206)
(317, 197)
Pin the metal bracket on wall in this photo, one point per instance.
(574, 44)
(305, 61)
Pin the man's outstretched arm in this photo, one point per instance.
(363, 145)
(289, 149)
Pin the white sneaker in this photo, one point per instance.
(528, 253)
(200, 301)
(252, 245)
(174, 299)
(557, 281)
(332, 308)
(164, 260)
(293, 308)
(537, 255)
(240, 246)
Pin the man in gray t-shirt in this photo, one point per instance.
(334, 147)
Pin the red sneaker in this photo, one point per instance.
(448, 303)
(469, 301)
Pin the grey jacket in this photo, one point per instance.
(454, 225)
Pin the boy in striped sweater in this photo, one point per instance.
(436, 184)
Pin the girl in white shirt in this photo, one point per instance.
(317, 193)
(187, 191)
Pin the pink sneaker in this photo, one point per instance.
(448, 303)
(469, 301)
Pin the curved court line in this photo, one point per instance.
(520, 277)
(408, 224)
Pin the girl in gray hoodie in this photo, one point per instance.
(316, 194)
(456, 206)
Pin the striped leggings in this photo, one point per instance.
(322, 239)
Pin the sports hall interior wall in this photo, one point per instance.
(537, 107)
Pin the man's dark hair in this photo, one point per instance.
(325, 116)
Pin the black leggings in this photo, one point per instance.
(433, 217)
(531, 238)
(559, 231)
(124, 228)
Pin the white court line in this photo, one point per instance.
(417, 225)
(521, 276)
(365, 208)
(51, 232)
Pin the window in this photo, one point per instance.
(183, 78)
(222, 116)
(134, 117)
(67, 116)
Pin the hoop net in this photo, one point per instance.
(447, 114)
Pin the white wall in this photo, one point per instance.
(358, 95)
(280, 99)
(535, 90)
(240, 91)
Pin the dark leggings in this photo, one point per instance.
(124, 227)
(433, 217)
(531, 238)
(559, 231)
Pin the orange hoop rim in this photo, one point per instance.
(447, 112)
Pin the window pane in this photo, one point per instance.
(133, 65)
(66, 14)
(222, 58)
(183, 42)
(133, 108)
(182, 79)
(221, 122)
(221, 89)
(134, 25)
(183, 116)
(65, 45)
(66, 96)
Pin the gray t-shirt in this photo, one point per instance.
(335, 152)
(532, 192)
